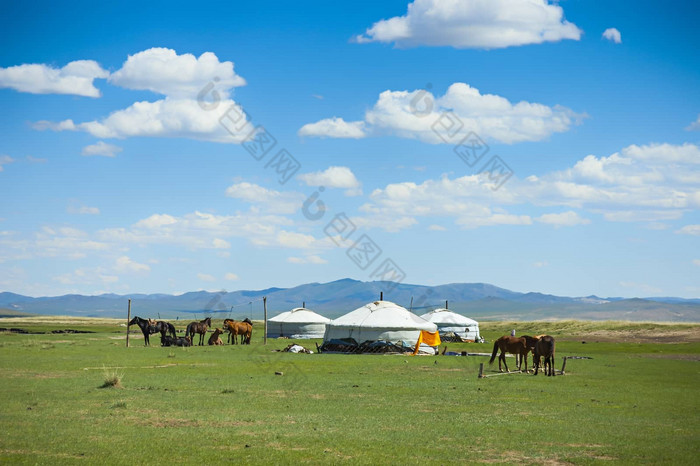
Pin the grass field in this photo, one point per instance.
(636, 401)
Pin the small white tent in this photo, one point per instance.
(448, 321)
(299, 323)
(380, 320)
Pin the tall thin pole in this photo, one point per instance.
(265, 315)
(381, 296)
(128, 319)
(446, 305)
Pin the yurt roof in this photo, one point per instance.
(445, 316)
(383, 314)
(300, 315)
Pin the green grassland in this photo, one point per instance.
(636, 401)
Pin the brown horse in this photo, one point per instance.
(530, 343)
(214, 339)
(544, 349)
(200, 327)
(508, 344)
(235, 328)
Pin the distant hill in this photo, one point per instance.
(478, 300)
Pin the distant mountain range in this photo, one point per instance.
(476, 300)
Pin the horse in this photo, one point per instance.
(198, 327)
(545, 348)
(530, 343)
(214, 338)
(148, 327)
(243, 328)
(513, 345)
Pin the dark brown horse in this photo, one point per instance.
(530, 343)
(545, 349)
(508, 344)
(149, 327)
(200, 327)
(243, 328)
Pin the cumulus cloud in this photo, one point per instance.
(451, 118)
(481, 24)
(163, 71)
(101, 148)
(76, 78)
(334, 177)
(176, 118)
(194, 88)
(268, 199)
(612, 35)
(231, 277)
(647, 183)
(124, 264)
(334, 128)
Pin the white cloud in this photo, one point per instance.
(690, 230)
(231, 277)
(205, 277)
(334, 128)
(448, 119)
(125, 265)
(694, 126)
(76, 78)
(334, 177)
(101, 148)
(312, 259)
(437, 228)
(564, 219)
(4, 160)
(268, 199)
(613, 35)
(193, 87)
(163, 71)
(483, 24)
(540, 264)
(176, 118)
(652, 183)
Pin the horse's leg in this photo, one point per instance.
(503, 356)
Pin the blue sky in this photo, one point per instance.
(117, 174)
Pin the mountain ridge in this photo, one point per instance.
(337, 297)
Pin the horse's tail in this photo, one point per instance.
(495, 351)
(189, 328)
(171, 329)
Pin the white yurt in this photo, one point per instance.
(379, 321)
(299, 323)
(448, 321)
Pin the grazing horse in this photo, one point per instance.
(545, 349)
(214, 339)
(149, 327)
(508, 344)
(200, 327)
(243, 328)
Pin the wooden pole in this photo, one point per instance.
(265, 315)
(481, 370)
(563, 366)
(381, 296)
(446, 305)
(128, 319)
